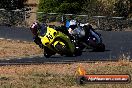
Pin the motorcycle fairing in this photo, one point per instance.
(53, 37)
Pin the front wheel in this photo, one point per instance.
(78, 52)
(48, 53)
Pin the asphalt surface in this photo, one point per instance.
(117, 44)
(14, 33)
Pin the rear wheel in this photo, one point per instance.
(63, 48)
(78, 51)
(100, 47)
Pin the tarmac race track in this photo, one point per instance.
(117, 44)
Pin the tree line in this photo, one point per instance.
(89, 7)
(12, 4)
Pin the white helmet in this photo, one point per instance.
(73, 22)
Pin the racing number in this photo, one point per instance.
(49, 37)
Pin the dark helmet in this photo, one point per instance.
(34, 28)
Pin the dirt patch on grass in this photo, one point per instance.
(11, 48)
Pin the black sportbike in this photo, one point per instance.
(84, 36)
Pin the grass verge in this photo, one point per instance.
(60, 75)
(16, 49)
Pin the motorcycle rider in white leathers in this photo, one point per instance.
(73, 25)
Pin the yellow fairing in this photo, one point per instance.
(56, 42)
(50, 37)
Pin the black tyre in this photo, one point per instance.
(78, 52)
(69, 55)
(100, 47)
(63, 49)
(47, 55)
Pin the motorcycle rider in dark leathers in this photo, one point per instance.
(37, 29)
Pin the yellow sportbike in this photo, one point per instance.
(57, 42)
